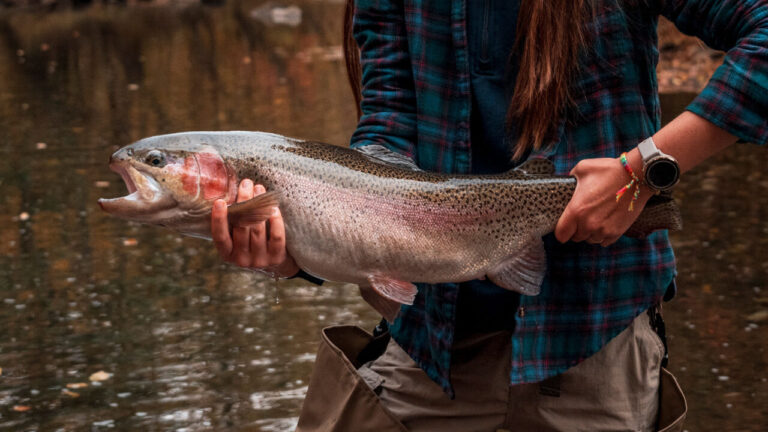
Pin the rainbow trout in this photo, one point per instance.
(367, 217)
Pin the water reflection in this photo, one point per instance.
(196, 345)
(191, 343)
(718, 322)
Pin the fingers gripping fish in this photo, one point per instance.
(367, 217)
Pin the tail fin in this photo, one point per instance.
(661, 212)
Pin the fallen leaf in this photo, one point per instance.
(61, 264)
(23, 216)
(41, 146)
(707, 289)
(77, 385)
(101, 184)
(1, 371)
(133, 87)
(70, 393)
(21, 408)
(130, 242)
(100, 376)
(758, 316)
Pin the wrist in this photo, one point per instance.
(660, 171)
(637, 193)
(293, 273)
(635, 162)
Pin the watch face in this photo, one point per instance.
(662, 174)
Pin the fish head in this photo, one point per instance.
(169, 182)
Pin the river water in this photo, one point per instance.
(190, 344)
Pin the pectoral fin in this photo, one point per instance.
(524, 272)
(256, 209)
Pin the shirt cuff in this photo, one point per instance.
(307, 277)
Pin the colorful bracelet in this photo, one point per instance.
(634, 182)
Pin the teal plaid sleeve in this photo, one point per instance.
(417, 101)
(388, 105)
(736, 98)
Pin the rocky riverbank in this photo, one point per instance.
(685, 63)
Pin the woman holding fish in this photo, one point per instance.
(479, 87)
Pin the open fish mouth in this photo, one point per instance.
(145, 196)
(123, 172)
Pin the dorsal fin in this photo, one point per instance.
(381, 154)
(537, 166)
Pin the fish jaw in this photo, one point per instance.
(178, 193)
(146, 200)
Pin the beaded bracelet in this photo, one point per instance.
(634, 182)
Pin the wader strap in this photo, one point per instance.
(378, 344)
(657, 324)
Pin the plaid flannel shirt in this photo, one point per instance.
(416, 101)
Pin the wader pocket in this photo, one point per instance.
(338, 400)
(672, 404)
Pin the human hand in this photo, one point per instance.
(259, 246)
(593, 215)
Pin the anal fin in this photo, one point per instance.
(524, 272)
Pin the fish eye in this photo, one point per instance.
(155, 159)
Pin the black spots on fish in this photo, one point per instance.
(356, 161)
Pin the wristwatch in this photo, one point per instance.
(660, 171)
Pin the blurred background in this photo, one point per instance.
(106, 325)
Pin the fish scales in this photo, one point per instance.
(440, 226)
(370, 219)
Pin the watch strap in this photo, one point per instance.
(648, 150)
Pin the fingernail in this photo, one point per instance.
(219, 205)
(275, 211)
(246, 183)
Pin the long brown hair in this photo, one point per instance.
(549, 37)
